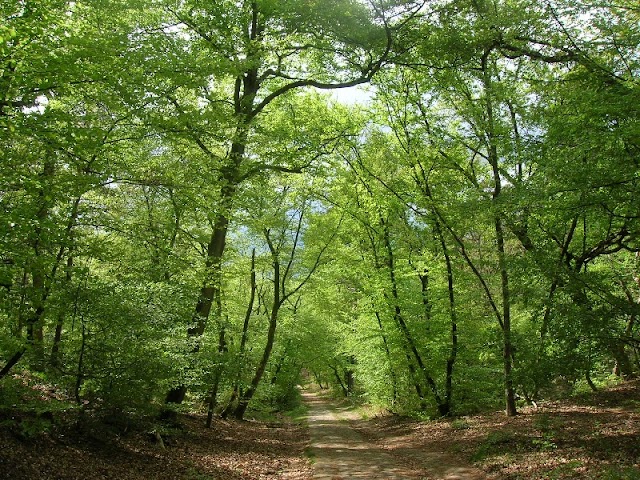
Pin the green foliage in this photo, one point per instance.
(548, 430)
(493, 176)
(29, 406)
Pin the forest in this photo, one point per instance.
(428, 205)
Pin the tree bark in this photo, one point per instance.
(442, 409)
(57, 338)
(507, 353)
(243, 340)
(392, 373)
(453, 319)
(11, 362)
(493, 159)
(243, 402)
(213, 394)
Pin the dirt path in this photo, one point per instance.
(342, 448)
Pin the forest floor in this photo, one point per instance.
(591, 437)
(595, 436)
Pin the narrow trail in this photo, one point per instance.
(340, 451)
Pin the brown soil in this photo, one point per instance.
(595, 437)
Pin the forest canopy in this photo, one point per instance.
(190, 217)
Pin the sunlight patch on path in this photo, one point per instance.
(340, 452)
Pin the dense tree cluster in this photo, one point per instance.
(189, 214)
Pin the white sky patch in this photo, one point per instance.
(39, 106)
(360, 95)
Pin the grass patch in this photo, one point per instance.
(193, 474)
(549, 431)
(619, 473)
(562, 471)
(460, 424)
(309, 453)
(496, 443)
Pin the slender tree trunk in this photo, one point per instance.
(318, 379)
(11, 362)
(345, 390)
(80, 371)
(507, 353)
(279, 297)
(453, 318)
(392, 373)
(546, 316)
(426, 302)
(405, 329)
(243, 340)
(213, 395)
(493, 159)
(397, 313)
(244, 400)
(57, 338)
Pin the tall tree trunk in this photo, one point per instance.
(493, 159)
(213, 394)
(404, 327)
(211, 286)
(453, 321)
(246, 398)
(392, 373)
(243, 340)
(507, 352)
(54, 359)
(35, 329)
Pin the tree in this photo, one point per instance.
(285, 233)
(56, 145)
(170, 165)
(260, 51)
